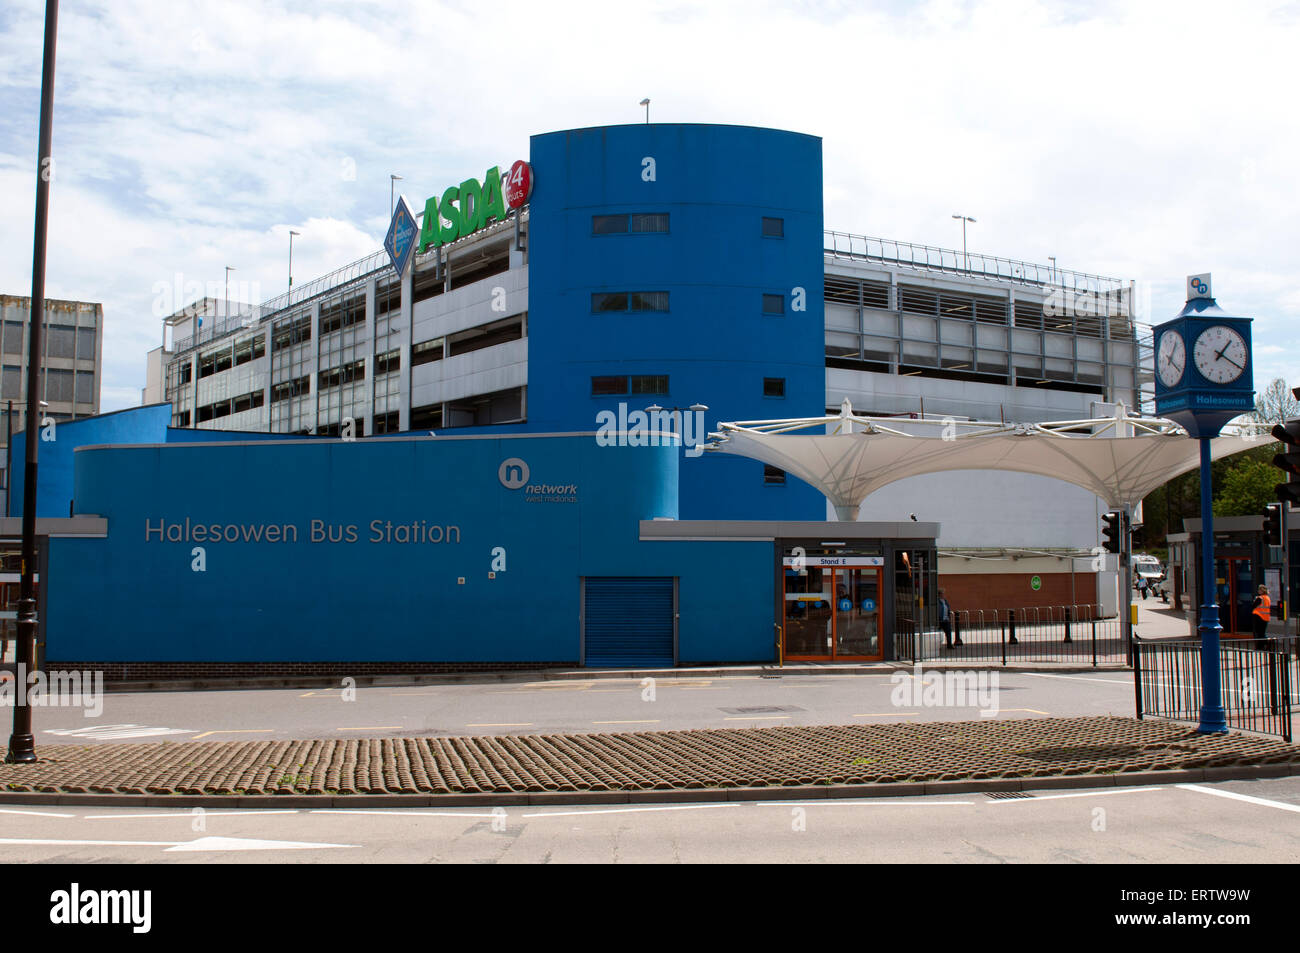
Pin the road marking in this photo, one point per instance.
(1232, 795)
(1057, 797)
(1080, 678)
(232, 731)
(754, 717)
(633, 810)
(307, 695)
(246, 843)
(186, 813)
(501, 724)
(610, 691)
(34, 813)
(835, 802)
(1034, 710)
(199, 844)
(116, 731)
(374, 728)
(397, 813)
(648, 721)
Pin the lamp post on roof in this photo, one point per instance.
(964, 219)
(646, 104)
(292, 233)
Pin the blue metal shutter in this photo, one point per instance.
(628, 622)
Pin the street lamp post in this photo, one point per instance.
(22, 744)
(292, 233)
(646, 104)
(229, 269)
(392, 201)
(964, 219)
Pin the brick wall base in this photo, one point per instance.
(153, 671)
(1013, 590)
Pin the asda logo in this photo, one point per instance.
(463, 209)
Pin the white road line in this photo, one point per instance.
(634, 810)
(6, 810)
(1077, 678)
(870, 802)
(1232, 795)
(199, 844)
(185, 812)
(397, 813)
(1057, 797)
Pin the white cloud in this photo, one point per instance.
(1144, 141)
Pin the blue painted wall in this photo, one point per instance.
(715, 344)
(54, 480)
(135, 596)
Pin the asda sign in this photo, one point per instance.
(463, 209)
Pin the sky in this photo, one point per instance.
(1145, 141)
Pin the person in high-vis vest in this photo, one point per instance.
(1260, 612)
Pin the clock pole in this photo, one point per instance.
(1213, 719)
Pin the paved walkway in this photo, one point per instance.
(702, 764)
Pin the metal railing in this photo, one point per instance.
(953, 261)
(1074, 633)
(1257, 686)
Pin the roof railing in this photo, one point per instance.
(844, 245)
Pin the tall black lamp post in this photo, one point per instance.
(22, 745)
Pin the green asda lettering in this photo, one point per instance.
(462, 210)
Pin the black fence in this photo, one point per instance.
(1257, 686)
(1077, 633)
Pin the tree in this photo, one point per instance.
(1245, 489)
(1275, 404)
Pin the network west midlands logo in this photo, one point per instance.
(514, 474)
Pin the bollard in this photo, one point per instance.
(1011, 627)
(1067, 625)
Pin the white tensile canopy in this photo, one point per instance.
(1121, 459)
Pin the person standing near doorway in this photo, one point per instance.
(1260, 611)
(945, 620)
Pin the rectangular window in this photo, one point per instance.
(603, 386)
(609, 224)
(426, 352)
(85, 387)
(388, 361)
(648, 301)
(486, 335)
(11, 384)
(60, 340)
(773, 476)
(187, 373)
(426, 418)
(773, 227)
(85, 344)
(224, 360)
(649, 223)
(287, 389)
(386, 423)
(773, 304)
(773, 386)
(207, 365)
(184, 419)
(13, 337)
(650, 384)
(604, 301)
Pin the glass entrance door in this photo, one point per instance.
(1234, 592)
(832, 613)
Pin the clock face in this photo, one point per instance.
(1171, 358)
(1220, 354)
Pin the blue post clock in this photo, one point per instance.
(1204, 378)
(1204, 370)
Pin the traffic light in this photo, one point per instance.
(1273, 525)
(1288, 461)
(1112, 532)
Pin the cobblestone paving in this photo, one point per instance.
(630, 761)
